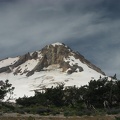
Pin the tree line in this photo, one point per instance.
(101, 93)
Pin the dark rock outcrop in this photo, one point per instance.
(64, 65)
(35, 55)
(43, 63)
(22, 60)
(1, 83)
(53, 55)
(5, 69)
(18, 70)
(30, 73)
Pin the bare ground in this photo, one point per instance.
(16, 116)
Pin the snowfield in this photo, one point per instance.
(25, 86)
(8, 61)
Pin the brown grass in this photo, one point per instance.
(59, 118)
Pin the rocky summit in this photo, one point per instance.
(52, 65)
(51, 54)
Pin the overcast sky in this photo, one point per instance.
(91, 27)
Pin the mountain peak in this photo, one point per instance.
(57, 43)
(54, 64)
(56, 53)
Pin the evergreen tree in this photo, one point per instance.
(6, 89)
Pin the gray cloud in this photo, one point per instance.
(92, 28)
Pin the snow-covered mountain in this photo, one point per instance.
(53, 65)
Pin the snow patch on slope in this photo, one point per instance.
(28, 65)
(8, 61)
(72, 61)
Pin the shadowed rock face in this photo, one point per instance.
(52, 54)
(5, 69)
(34, 55)
(22, 60)
(56, 54)
(1, 83)
(43, 63)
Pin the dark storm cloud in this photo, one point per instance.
(90, 27)
(3, 1)
(112, 8)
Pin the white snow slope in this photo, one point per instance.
(52, 76)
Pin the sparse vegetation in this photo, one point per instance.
(99, 97)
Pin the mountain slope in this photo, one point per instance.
(53, 65)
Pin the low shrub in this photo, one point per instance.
(69, 113)
(66, 113)
(84, 112)
(117, 118)
(31, 118)
(27, 110)
(43, 111)
(55, 113)
(80, 113)
(20, 111)
(113, 111)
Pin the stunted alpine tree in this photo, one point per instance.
(6, 89)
